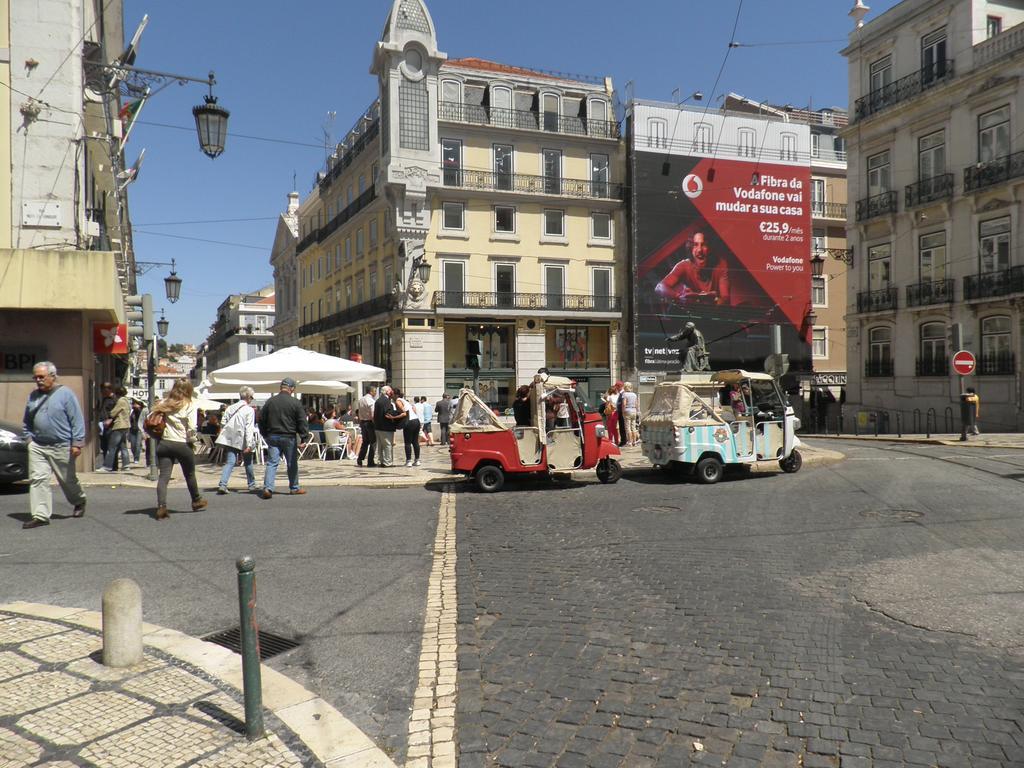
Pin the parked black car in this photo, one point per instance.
(13, 453)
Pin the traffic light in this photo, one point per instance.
(474, 354)
(140, 316)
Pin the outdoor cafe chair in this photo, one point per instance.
(335, 440)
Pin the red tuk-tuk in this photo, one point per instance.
(487, 449)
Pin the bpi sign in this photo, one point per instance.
(964, 362)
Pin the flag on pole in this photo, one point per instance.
(128, 175)
(129, 113)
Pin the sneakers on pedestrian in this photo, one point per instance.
(198, 505)
(408, 463)
(103, 469)
(253, 488)
(416, 463)
(35, 522)
(222, 491)
(298, 492)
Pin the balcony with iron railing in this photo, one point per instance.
(352, 314)
(876, 205)
(498, 300)
(350, 210)
(345, 160)
(526, 184)
(997, 364)
(821, 209)
(929, 190)
(993, 172)
(883, 300)
(931, 366)
(1001, 282)
(878, 368)
(930, 292)
(903, 89)
(519, 119)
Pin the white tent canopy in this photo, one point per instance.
(299, 364)
(228, 388)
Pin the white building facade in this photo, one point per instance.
(243, 329)
(936, 103)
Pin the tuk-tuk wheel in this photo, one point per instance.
(490, 478)
(709, 470)
(793, 462)
(609, 471)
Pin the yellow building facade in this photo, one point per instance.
(473, 201)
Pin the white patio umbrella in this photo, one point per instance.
(299, 364)
(228, 388)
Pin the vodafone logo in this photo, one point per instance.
(693, 185)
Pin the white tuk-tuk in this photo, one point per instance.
(704, 423)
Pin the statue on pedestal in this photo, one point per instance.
(693, 351)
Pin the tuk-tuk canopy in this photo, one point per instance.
(736, 375)
(675, 403)
(474, 415)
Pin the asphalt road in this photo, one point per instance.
(343, 571)
(862, 613)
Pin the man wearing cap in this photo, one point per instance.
(282, 418)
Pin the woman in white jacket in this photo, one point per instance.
(238, 436)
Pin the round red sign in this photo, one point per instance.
(964, 362)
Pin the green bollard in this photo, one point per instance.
(252, 686)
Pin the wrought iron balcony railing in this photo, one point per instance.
(903, 89)
(932, 366)
(350, 210)
(876, 205)
(993, 172)
(531, 185)
(346, 159)
(930, 292)
(563, 302)
(479, 114)
(877, 301)
(999, 283)
(878, 368)
(824, 210)
(998, 364)
(358, 312)
(929, 190)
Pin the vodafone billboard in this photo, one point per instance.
(721, 236)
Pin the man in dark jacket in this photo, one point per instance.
(281, 419)
(385, 416)
(443, 411)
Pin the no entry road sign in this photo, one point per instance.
(964, 362)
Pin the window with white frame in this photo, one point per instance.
(505, 219)
(818, 291)
(657, 132)
(601, 226)
(993, 26)
(348, 293)
(933, 56)
(348, 250)
(552, 168)
(601, 288)
(505, 284)
(501, 98)
(932, 257)
(819, 342)
(373, 283)
(359, 243)
(931, 155)
(702, 137)
(451, 162)
(503, 169)
(879, 174)
(994, 245)
(880, 74)
(995, 343)
(746, 145)
(550, 110)
(817, 240)
(933, 347)
(373, 233)
(554, 222)
(453, 276)
(598, 112)
(360, 284)
(600, 175)
(815, 145)
(451, 91)
(788, 151)
(452, 216)
(879, 266)
(994, 134)
(880, 347)
(554, 285)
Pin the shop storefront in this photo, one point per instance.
(497, 385)
(583, 353)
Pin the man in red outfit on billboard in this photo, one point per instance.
(701, 277)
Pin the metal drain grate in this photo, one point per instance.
(894, 515)
(270, 644)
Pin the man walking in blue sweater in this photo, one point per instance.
(53, 419)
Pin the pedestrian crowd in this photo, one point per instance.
(620, 407)
(57, 429)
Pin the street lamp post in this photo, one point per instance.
(172, 283)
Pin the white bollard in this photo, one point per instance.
(122, 623)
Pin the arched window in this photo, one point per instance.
(657, 132)
(996, 356)
(550, 107)
(598, 120)
(932, 359)
(879, 362)
(746, 142)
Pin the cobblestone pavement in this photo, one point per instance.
(663, 624)
(60, 707)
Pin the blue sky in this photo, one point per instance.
(282, 67)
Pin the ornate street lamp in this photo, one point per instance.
(172, 284)
(162, 325)
(817, 265)
(211, 124)
(422, 267)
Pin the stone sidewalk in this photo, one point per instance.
(182, 705)
(1003, 440)
(435, 467)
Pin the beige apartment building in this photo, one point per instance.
(473, 201)
(937, 176)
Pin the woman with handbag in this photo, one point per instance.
(610, 411)
(175, 445)
(238, 437)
